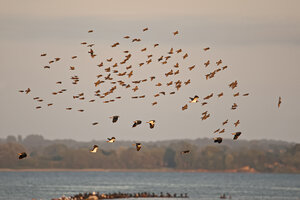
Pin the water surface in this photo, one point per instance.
(243, 186)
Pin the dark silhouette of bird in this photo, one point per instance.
(206, 63)
(218, 140)
(114, 118)
(236, 135)
(221, 94)
(185, 56)
(236, 94)
(234, 106)
(28, 90)
(236, 123)
(219, 62)
(115, 44)
(279, 102)
(217, 130)
(185, 152)
(22, 155)
(136, 122)
(225, 122)
(222, 131)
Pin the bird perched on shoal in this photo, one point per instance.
(22, 155)
(136, 122)
(111, 140)
(95, 149)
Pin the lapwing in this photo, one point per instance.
(111, 140)
(185, 152)
(236, 135)
(136, 122)
(151, 123)
(95, 149)
(138, 146)
(218, 140)
(114, 118)
(22, 155)
(194, 99)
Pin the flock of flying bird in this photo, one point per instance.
(118, 70)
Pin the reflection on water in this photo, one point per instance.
(47, 185)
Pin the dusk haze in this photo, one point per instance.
(149, 99)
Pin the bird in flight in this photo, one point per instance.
(151, 123)
(136, 122)
(114, 118)
(236, 123)
(185, 152)
(111, 140)
(95, 149)
(138, 146)
(194, 99)
(28, 90)
(279, 102)
(22, 155)
(236, 135)
(218, 140)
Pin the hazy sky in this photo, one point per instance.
(258, 40)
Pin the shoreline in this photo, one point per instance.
(242, 170)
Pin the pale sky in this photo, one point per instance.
(258, 40)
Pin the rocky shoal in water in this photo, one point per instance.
(96, 196)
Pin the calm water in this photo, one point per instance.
(47, 185)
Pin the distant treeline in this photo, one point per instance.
(260, 156)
